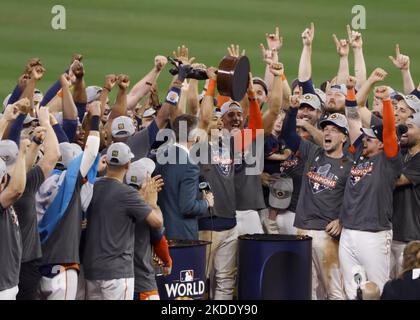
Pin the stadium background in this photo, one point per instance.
(123, 36)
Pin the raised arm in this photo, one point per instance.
(93, 140)
(402, 62)
(362, 95)
(275, 98)
(356, 42)
(141, 88)
(79, 88)
(289, 134)
(305, 64)
(353, 118)
(389, 133)
(51, 150)
(9, 115)
(270, 55)
(343, 52)
(17, 182)
(207, 105)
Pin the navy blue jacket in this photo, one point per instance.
(179, 198)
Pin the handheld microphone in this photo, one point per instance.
(358, 279)
(203, 184)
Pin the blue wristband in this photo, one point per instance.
(173, 96)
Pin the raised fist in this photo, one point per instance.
(78, 69)
(382, 93)
(277, 69)
(110, 80)
(44, 116)
(37, 72)
(160, 62)
(377, 75)
(350, 82)
(23, 105)
(123, 81)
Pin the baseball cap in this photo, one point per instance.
(3, 169)
(340, 88)
(148, 112)
(118, 154)
(68, 151)
(29, 119)
(93, 93)
(122, 127)
(281, 189)
(8, 152)
(338, 120)
(373, 132)
(261, 82)
(411, 100)
(321, 95)
(230, 105)
(217, 112)
(139, 170)
(414, 119)
(311, 100)
(6, 101)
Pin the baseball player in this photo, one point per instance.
(59, 209)
(10, 234)
(324, 179)
(367, 207)
(405, 219)
(145, 287)
(109, 252)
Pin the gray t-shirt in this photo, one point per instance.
(220, 177)
(63, 244)
(10, 248)
(144, 273)
(322, 190)
(368, 197)
(25, 209)
(406, 217)
(112, 215)
(248, 187)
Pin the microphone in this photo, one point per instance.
(358, 279)
(203, 184)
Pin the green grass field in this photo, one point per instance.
(123, 36)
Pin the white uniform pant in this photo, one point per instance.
(327, 281)
(116, 289)
(222, 262)
(397, 250)
(9, 294)
(248, 222)
(61, 287)
(367, 251)
(285, 222)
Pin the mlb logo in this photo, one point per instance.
(115, 153)
(186, 275)
(121, 126)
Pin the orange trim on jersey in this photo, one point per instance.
(70, 266)
(60, 93)
(389, 135)
(146, 295)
